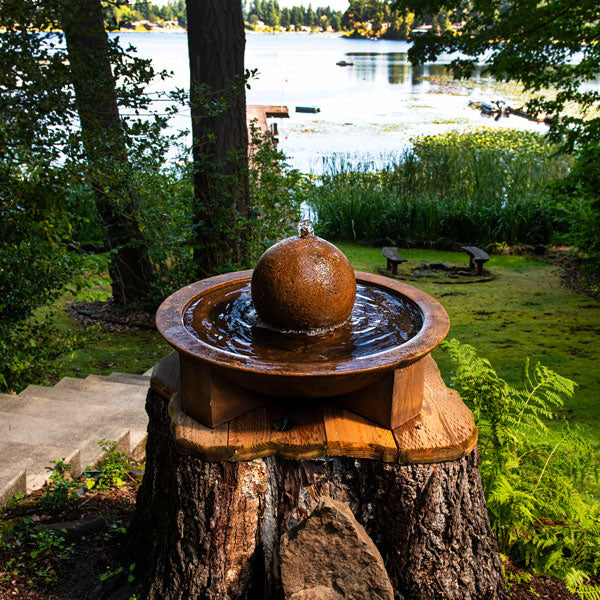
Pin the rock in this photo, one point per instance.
(75, 529)
(422, 266)
(439, 266)
(540, 249)
(329, 555)
(320, 592)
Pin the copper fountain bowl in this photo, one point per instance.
(301, 378)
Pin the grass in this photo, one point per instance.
(104, 351)
(483, 186)
(524, 312)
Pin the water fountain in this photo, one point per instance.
(303, 326)
(294, 382)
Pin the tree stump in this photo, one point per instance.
(207, 528)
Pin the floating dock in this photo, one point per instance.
(308, 109)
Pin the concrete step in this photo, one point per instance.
(131, 378)
(12, 481)
(96, 391)
(36, 461)
(137, 445)
(92, 453)
(66, 421)
(76, 413)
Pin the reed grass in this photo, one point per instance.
(484, 188)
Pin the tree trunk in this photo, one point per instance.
(87, 42)
(216, 45)
(212, 529)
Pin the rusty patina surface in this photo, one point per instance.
(303, 283)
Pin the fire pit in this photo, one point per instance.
(299, 328)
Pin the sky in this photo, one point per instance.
(334, 4)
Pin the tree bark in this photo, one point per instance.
(96, 99)
(216, 45)
(212, 529)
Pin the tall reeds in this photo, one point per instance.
(482, 188)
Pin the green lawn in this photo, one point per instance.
(524, 312)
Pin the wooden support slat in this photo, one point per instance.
(194, 438)
(445, 429)
(391, 401)
(211, 398)
(349, 434)
(253, 434)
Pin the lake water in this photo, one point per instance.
(369, 111)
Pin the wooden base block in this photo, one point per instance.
(444, 430)
(391, 401)
(210, 398)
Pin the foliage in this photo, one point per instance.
(579, 195)
(122, 14)
(552, 49)
(60, 487)
(543, 45)
(110, 573)
(34, 350)
(276, 194)
(481, 187)
(113, 468)
(541, 519)
(41, 549)
(376, 18)
(269, 12)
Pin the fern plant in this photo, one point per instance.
(541, 519)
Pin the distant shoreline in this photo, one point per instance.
(340, 34)
(182, 30)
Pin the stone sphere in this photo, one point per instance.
(303, 283)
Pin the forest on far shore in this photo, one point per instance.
(362, 18)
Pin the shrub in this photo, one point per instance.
(541, 518)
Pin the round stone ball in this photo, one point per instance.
(303, 283)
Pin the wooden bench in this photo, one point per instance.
(476, 258)
(393, 259)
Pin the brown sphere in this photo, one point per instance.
(303, 283)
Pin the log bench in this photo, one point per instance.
(477, 257)
(393, 258)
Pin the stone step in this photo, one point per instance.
(131, 378)
(137, 445)
(76, 412)
(96, 391)
(12, 481)
(67, 421)
(92, 453)
(35, 459)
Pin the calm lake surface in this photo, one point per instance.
(369, 111)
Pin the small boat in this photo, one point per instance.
(491, 107)
(343, 63)
(308, 109)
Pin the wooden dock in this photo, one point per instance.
(259, 113)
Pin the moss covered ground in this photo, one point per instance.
(524, 312)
